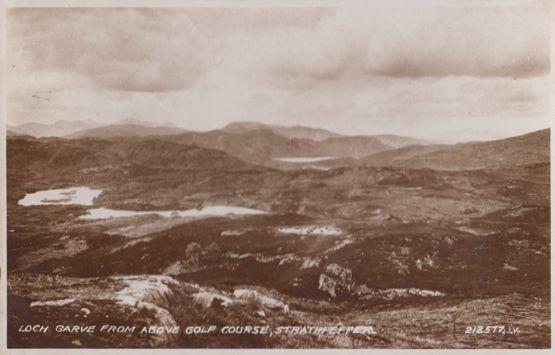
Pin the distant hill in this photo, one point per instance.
(341, 142)
(263, 146)
(267, 145)
(525, 149)
(126, 130)
(249, 141)
(299, 132)
(28, 153)
(56, 129)
(77, 129)
(255, 146)
(136, 121)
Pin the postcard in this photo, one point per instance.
(277, 175)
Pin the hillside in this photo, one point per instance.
(317, 134)
(299, 132)
(526, 149)
(261, 146)
(255, 142)
(150, 152)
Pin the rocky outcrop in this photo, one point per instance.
(261, 299)
(208, 297)
(147, 293)
(336, 280)
(132, 300)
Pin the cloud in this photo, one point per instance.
(357, 44)
(150, 50)
(354, 70)
(118, 49)
(157, 50)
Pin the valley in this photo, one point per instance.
(247, 225)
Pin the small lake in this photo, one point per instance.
(303, 159)
(105, 213)
(78, 195)
(311, 230)
(85, 196)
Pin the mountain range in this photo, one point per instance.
(130, 127)
(248, 140)
(268, 145)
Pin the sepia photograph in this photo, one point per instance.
(248, 174)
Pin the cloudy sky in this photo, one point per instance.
(437, 72)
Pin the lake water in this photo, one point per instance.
(78, 195)
(105, 213)
(303, 159)
(311, 230)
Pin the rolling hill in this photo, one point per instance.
(317, 134)
(298, 132)
(525, 149)
(261, 146)
(92, 153)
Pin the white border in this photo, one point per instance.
(235, 3)
(265, 3)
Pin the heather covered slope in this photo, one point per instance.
(526, 149)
